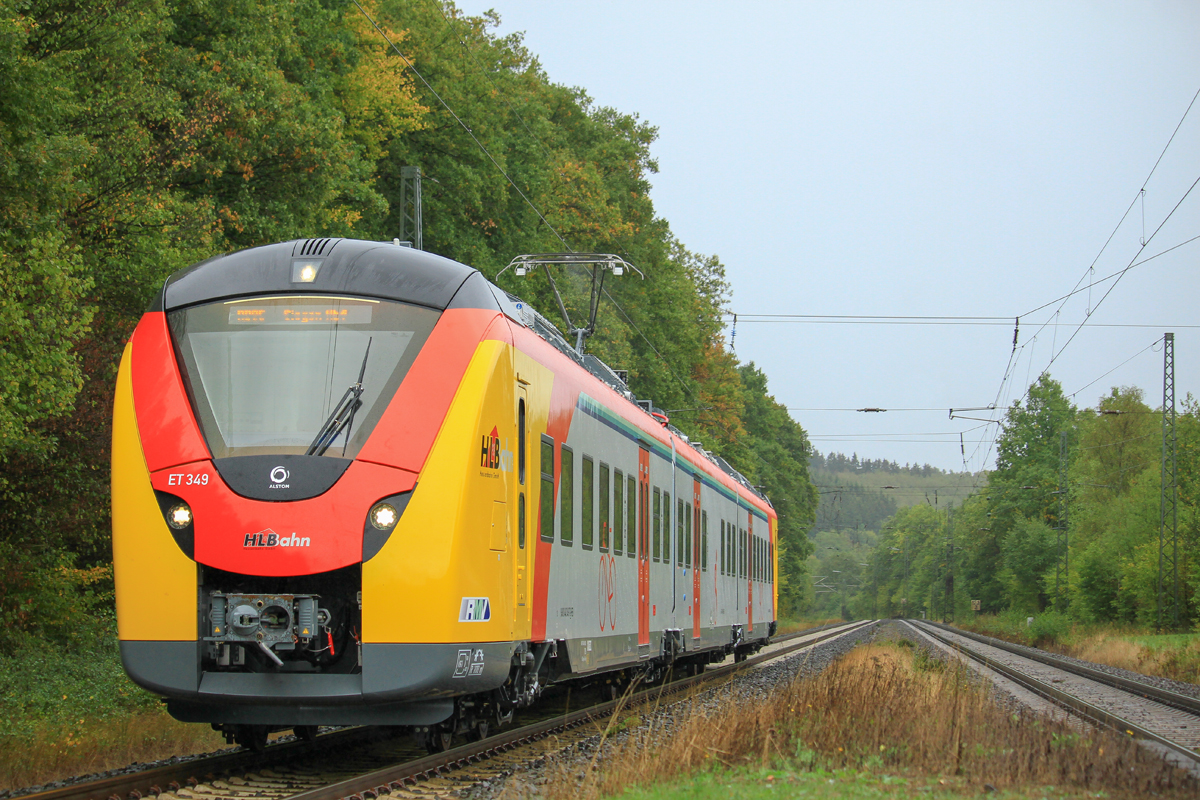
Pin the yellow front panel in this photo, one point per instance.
(155, 581)
(446, 547)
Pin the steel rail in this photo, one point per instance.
(156, 780)
(1165, 696)
(373, 784)
(1068, 701)
(170, 777)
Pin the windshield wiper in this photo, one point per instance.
(342, 416)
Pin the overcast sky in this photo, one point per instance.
(915, 159)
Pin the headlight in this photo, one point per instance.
(383, 516)
(179, 516)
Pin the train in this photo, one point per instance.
(356, 483)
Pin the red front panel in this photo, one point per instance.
(167, 428)
(302, 537)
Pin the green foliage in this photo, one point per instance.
(139, 137)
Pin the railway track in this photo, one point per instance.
(363, 763)
(1168, 720)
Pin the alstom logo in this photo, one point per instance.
(269, 538)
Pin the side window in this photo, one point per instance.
(690, 542)
(704, 541)
(771, 561)
(741, 552)
(631, 514)
(605, 504)
(587, 518)
(546, 512)
(521, 520)
(566, 496)
(721, 565)
(666, 556)
(521, 441)
(657, 523)
(679, 515)
(618, 539)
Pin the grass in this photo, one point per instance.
(72, 711)
(877, 720)
(1174, 656)
(794, 625)
(54, 750)
(820, 784)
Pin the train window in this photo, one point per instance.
(631, 514)
(742, 554)
(264, 374)
(679, 515)
(657, 523)
(704, 541)
(770, 562)
(521, 520)
(618, 533)
(721, 563)
(666, 556)
(566, 496)
(521, 441)
(546, 512)
(605, 505)
(587, 518)
(687, 535)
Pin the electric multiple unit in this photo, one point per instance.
(356, 483)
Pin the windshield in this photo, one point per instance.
(265, 374)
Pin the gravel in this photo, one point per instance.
(1180, 687)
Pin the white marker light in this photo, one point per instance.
(305, 270)
(384, 516)
(179, 517)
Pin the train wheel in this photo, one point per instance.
(252, 737)
(305, 732)
(437, 741)
(479, 732)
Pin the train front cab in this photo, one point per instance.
(435, 612)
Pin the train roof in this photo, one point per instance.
(394, 272)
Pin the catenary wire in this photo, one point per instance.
(1117, 367)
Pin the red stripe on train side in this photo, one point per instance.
(410, 424)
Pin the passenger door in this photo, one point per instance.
(643, 551)
(521, 559)
(696, 552)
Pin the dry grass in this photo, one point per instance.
(1181, 663)
(53, 752)
(794, 625)
(874, 710)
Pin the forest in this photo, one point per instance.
(140, 136)
(1069, 522)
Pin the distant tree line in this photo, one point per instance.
(1002, 546)
(838, 462)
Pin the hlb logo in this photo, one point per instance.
(269, 538)
(490, 458)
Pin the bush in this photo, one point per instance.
(1049, 628)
